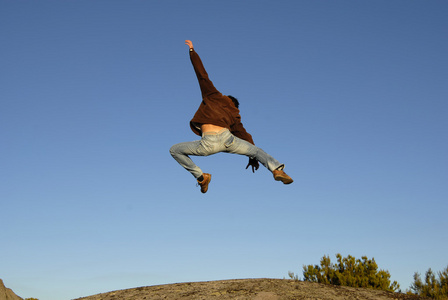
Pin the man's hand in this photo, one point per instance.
(189, 43)
(254, 163)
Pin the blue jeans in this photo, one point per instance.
(215, 142)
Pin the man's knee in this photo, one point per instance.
(173, 150)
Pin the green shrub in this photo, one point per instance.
(351, 272)
(432, 287)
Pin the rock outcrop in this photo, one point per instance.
(251, 289)
(7, 294)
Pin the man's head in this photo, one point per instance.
(234, 100)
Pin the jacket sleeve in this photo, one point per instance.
(205, 83)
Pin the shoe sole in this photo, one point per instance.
(285, 180)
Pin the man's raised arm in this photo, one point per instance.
(205, 83)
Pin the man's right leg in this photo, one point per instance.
(242, 147)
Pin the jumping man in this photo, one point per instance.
(218, 121)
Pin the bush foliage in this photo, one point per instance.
(432, 287)
(349, 271)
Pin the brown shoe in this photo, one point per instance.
(204, 183)
(280, 175)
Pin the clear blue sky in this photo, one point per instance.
(350, 95)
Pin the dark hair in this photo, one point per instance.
(234, 100)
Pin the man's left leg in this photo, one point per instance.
(181, 153)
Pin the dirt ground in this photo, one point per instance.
(253, 289)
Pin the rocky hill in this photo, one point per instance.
(250, 289)
(7, 294)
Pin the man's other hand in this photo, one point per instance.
(254, 163)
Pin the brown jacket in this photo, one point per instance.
(216, 108)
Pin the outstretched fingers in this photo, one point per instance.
(189, 43)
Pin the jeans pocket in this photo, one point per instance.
(207, 146)
(230, 141)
